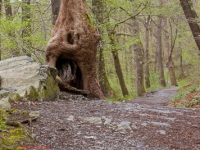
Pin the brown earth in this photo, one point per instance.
(147, 123)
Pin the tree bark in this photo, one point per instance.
(172, 75)
(11, 33)
(72, 50)
(99, 10)
(55, 5)
(119, 73)
(191, 17)
(0, 25)
(159, 50)
(8, 9)
(117, 64)
(103, 79)
(181, 73)
(26, 32)
(146, 53)
(169, 48)
(138, 48)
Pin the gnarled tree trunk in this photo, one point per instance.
(72, 50)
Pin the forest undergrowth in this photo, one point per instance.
(188, 93)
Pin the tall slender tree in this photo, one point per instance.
(0, 24)
(118, 68)
(55, 5)
(138, 48)
(159, 50)
(26, 32)
(146, 52)
(8, 8)
(170, 49)
(191, 17)
(99, 11)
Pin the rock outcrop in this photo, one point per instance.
(22, 78)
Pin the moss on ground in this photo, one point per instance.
(11, 136)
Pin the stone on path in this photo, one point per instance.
(34, 114)
(124, 125)
(95, 120)
(4, 104)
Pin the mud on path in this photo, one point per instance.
(144, 123)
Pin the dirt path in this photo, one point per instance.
(143, 123)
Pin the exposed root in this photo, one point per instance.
(67, 87)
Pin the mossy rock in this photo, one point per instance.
(31, 80)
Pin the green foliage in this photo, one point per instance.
(14, 43)
(193, 89)
(2, 124)
(188, 94)
(178, 96)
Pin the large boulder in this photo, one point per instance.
(26, 79)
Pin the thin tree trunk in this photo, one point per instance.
(103, 79)
(99, 11)
(146, 53)
(117, 64)
(172, 75)
(159, 50)
(8, 8)
(138, 48)
(170, 63)
(119, 72)
(0, 24)
(26, 32)
(181, 73)
(191, 17)
(11, 33)
(55, 5)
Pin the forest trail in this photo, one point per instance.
(142, 123)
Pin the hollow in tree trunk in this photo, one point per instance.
(72, 50)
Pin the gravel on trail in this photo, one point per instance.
(147, 123)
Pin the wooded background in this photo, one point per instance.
(145, 44)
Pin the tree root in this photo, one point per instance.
(66, 87)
